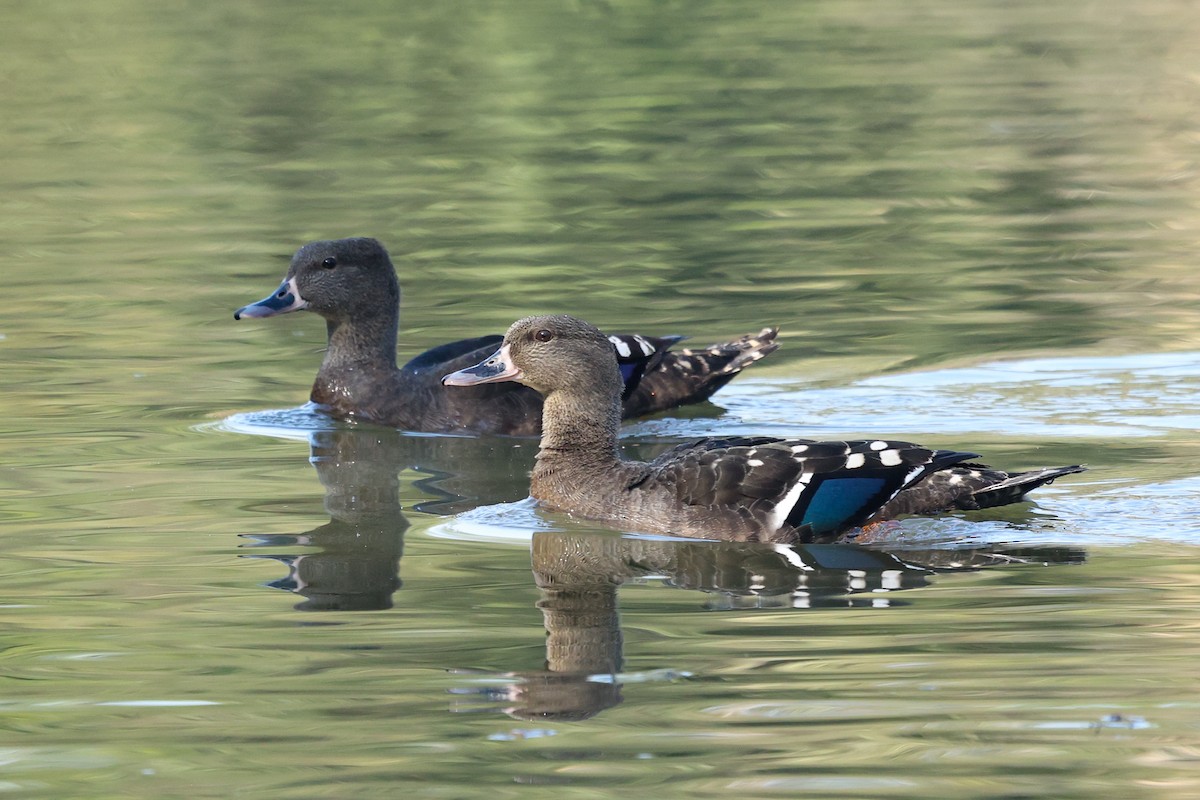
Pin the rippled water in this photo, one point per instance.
(975, 223)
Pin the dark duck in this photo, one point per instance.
(353, 285)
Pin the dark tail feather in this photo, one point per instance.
(1014, 488)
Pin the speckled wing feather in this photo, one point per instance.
(821, 487)
(969, 487)
(692, 375)
(637, 355)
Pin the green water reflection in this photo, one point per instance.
(929, 185)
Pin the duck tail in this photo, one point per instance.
(1014, 487)
(693, 375)
(730, 358)
(969, 487)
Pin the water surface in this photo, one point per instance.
(975, 223)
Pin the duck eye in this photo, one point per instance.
(543, 335)
(329, 263)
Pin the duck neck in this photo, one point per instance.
(361, 342)
(578, 431)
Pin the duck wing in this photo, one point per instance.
(439, 359)
(820, 489)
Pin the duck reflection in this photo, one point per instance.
(579, 575)
(358, 565)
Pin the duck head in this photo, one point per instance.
(341, 280)
(549, 353)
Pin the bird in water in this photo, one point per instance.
(352, 284)
(738, 488)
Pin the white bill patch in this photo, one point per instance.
(299, 302)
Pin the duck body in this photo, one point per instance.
(353, 285)
(742, 488)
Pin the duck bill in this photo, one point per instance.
(499, 367)
(286, 299)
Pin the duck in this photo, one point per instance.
(776, 490)
(352, 283)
